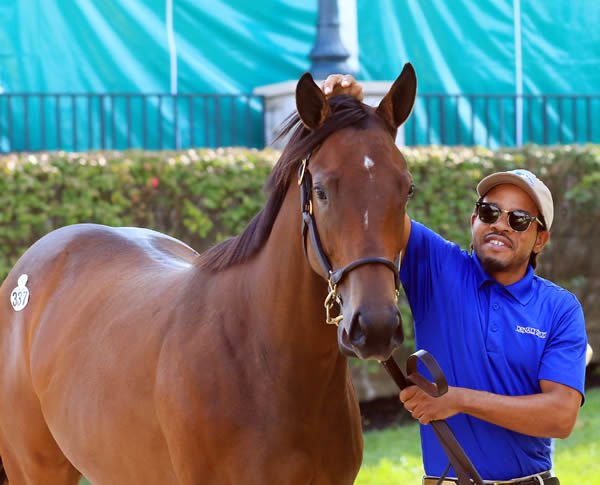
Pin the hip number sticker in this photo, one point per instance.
(19, 297)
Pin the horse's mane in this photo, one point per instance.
(345, 111)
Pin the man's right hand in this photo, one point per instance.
(342, 84)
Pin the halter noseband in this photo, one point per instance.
(333, 277)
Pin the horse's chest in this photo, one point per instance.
(278, 428)
(296, 448)
(322, 451)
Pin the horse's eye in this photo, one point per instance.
(411, 191)
(320, 193)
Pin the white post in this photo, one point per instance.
(349, 31)
(280, 101)
(518, 74)
(172, 58)
(172, 49)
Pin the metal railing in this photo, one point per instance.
(78, 122)
(494, 120)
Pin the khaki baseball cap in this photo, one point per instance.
(527, 181)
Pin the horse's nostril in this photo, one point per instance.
(398, 336)
(357, 336)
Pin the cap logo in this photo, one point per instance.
(525, 174)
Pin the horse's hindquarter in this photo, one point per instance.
(100, 304)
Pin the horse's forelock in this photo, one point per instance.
(346, 111)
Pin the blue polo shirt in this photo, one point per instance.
(490, 337)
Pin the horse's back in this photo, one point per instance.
(85, 347)
(93, 245)
(87, 272)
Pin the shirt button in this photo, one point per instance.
(495, 306)
(494, 328)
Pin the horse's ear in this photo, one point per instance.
(311, 103)
(398, 103)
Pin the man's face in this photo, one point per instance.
(499, 248)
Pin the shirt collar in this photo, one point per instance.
(522, 290)
(480, 274)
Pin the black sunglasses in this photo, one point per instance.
(518, 220)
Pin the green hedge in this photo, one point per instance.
(204, 196)
(199, 196)
(446, 178)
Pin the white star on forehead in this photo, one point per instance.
(369, 164)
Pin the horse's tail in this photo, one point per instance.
(3, 477)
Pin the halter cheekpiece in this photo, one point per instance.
(333, 277)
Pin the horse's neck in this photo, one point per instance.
(289, 295)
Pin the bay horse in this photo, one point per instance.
(129, 358)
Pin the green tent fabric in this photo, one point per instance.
(232, 46)
(122, 46)
(470, 47)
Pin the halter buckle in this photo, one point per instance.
(332, 298)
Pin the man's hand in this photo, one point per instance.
(342, 84)
(426, 408)
(549, 414)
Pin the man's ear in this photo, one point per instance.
(311, 103)
(541, 240)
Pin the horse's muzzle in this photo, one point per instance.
(371, 333)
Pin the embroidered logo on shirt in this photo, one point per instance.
(531, 331)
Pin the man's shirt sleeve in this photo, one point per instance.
(425, 256)
(563, 360)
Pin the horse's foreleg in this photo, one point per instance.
(33, 468)
(30, 455)
(3, 477)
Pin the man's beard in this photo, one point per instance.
(491, 265)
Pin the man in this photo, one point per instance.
(511, 344)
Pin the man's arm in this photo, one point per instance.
(406, 235)
(549, 414)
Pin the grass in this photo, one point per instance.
(393, 456)
(577, 459)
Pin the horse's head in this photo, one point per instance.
(356, 186)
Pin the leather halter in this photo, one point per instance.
(309, 227)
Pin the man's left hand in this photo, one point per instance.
(426, 408)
